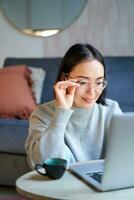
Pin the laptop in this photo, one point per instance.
(117, 170)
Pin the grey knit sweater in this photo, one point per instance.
(77, 134)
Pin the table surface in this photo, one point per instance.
(38, 187)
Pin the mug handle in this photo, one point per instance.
(39, 166)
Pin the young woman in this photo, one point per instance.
(74, 126)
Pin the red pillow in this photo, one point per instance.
(16, 97)
(19, 69)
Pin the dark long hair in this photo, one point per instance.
(80, 53)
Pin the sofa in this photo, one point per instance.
(13, 132)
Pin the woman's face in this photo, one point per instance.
(90, 76)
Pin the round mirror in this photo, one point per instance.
(42, 17)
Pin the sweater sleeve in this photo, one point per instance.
(46, 137)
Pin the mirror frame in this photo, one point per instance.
(43, 33)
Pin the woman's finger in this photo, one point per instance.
(66, 84)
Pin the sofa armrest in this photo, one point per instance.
(12, 167)
(13, 133)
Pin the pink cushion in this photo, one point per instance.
(16, 97)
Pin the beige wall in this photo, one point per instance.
(107, 24)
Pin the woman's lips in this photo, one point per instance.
(88, 100)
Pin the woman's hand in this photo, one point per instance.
(64, 92)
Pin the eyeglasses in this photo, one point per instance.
(99, 85)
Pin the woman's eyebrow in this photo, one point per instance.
(85, 77)
(100, 77)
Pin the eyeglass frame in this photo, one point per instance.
(97, 90)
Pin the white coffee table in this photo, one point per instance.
(37, 187)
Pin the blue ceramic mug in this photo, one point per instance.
(54, 167)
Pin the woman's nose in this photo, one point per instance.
(91, 89)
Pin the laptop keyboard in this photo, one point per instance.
(95, 175)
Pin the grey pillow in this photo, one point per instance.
(38, 76)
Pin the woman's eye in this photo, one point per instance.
(82, 82)
(100, 83)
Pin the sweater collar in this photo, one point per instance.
(83, 111)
